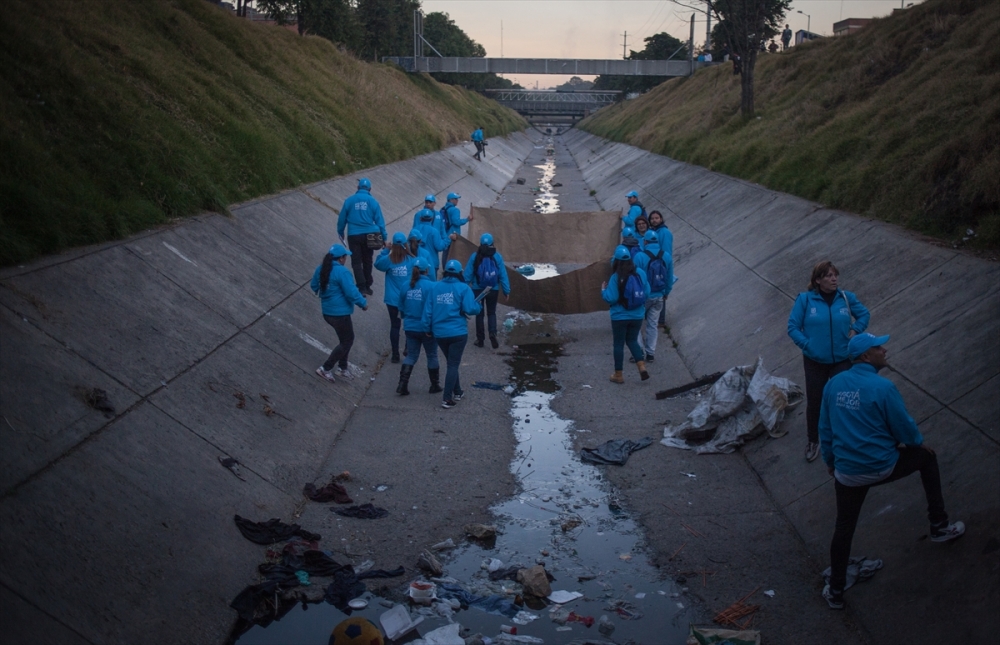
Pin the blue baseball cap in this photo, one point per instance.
(422, 264)
(398, 238)
(628, 231)
(338, 251)
(861, 343)
(430, 198)
(453, 266)
(621, 253)
(415, 234)
(486, 239)
(650, 236)
(365, 183)
(454, 196)
(632, 193)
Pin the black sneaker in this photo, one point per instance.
(833, 598)
(395, 358)
(448, 404)
(368, 291)
(649, 358)
(493, 342)
(631, 359)
(478, 343)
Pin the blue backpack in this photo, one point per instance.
(635, 295)
(486, 272)
(656, 272)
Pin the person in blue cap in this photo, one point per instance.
(485, 268)
(417, 247)
(666, 241)
(453, 220)
(626, 292)
(630, 241)
(334, 285)
(445, 312)
(867, 439)
(635, 209)
(430, 216)
(411, 305)
(821, 322)
(395, 262)
(659, 269)
(361, 218)
(477, 138)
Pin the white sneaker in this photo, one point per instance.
(344, 373)
(325, 374)
(946, 533)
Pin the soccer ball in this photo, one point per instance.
(356, 631)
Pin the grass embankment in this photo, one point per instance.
(117, 116)
(899, 121)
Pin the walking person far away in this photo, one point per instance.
(361, 217)
(485, 268)
(445, 310)
(822, 321)
(786, 37)
(869, 439)
(334, 285)
(477, 138)
(626, 291)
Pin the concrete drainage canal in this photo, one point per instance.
(566, 528)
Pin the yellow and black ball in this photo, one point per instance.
(356, 631)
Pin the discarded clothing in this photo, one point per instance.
(490, 604)
(299, 546)
(483, 385)
(510, 573)
(615, 452)
(303, 578)
(347, 585)
(742, 404)
(365, 512)
(332, 492)
(859, 568)
(271, 531)
(709, 635)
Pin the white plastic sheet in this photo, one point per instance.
(742, 404)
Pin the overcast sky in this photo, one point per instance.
(595, 28)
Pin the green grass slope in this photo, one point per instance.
(899, 121)
(118, 115)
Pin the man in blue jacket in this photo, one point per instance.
(477, 138)
(361, 216)
(635, 208)
(453, 221)
(867, 438)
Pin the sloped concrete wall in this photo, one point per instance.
(120, 529)
(742, 254)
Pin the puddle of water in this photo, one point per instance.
(547, 201)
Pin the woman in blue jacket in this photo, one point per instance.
(450, 301)
(626, 292)
(411, 306)
(822, 321)
(334, 284)
(485, 268)
(417, 246)
(396, 263)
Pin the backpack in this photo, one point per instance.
(656, 272)
(634, 251)
(486, 272)
(634, 295)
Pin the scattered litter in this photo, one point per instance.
(624, 609)
(570, 524)
(443, 546)
(508, 389)
(562, 597)
(332, 492)
(233, 466)
(587, 621)
(358, 603)
(516, 638)
(508, 325)
(447, 635)
(691, 475)
(397, 622)
(740, 609)
(422, 592)
(769, 593)
(271, 531)
(693, 385)
(605, 626)
(625, 557)
(492, 564)
(586, 387)
(680, 605)
(98, 399)
(480, 531)
(508, 629)
(525, 269)
(564, 629)
(524, 617)
(303, 578)
(364, 566)
(614, 452)
(709, 635)
(345, 476)
(744, 402)
(382, 488)
(483, 385)
(427, 562)
(520, 181)
(494, 604)
(859, 569)
(364, 512)
(640, 595)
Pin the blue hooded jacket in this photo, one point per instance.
(822, 331)
(861, 422)
(437, 222)
(502, 278)
(634, 211)
(397, 276)
(618, 310)
(642, 261)
(445, 310)
(453, 218)
(477, 135)
(411, 304)
(341, 294)
(362, 213)
(666, 238)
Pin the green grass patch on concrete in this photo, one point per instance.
(899, 121)
(118, 116)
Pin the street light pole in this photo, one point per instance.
(809, 19)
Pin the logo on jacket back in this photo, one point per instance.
(360, 206)
(415, 294)
(446, 298)
(850, 400)
(401, 271)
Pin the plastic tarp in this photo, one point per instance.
(614, 452)
(741, 405)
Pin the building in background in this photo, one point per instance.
(848, 26)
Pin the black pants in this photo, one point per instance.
(394, 323)
(817, 375)
(345, 334)
(851, 498)
(489, 311)
(361, 260)
(479, 148)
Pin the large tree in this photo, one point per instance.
(331, 19)
(661, 46)
(387, 27)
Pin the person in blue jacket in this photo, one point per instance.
(396, 263)
(822, 320)
(411, 305)
(485, 268)
(658, 267)
(361, 217)
(635, 209)
(453, 220)
(869, 439)
(430, 223)
(666, 241)
(445, 312)
(418, 248)
(334, 285)
(477, 138)
(626, 292)
(630, 241)
(430, 215)
(641, 227)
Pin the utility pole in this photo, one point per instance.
(708, 26)
(624, 45)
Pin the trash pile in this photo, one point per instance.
(741, 405)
